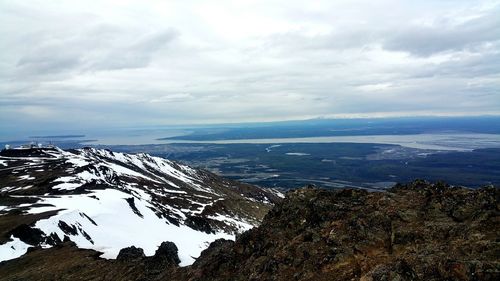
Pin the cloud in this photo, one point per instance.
(135, 54)
(446, 35)
(89, 64)
(182, 97)
(113, 49)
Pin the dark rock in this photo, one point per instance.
(53, 239)
(172, 220)
(167, 252)
(131, 253)
(32, 249)
(165, 258)
(85, 215)
(199, 223)
(28, 235)
(69, 230)
(131, 203)
(87, 236)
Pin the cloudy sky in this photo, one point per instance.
(98, 64)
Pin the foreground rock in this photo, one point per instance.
(67, 262)
(414, 232)
(419, 231)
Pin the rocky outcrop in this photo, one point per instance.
(165, 259)
(419, 231)
(130, 254)
(167, 254)
(33, 236)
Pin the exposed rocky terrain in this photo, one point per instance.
(419, 231)
(413, 232)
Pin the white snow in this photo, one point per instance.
(65, 179)
(174, 191)
(280, 195)
(3, 162)
(240, 224)
(13, 249)
(25, 177)
(73, 182)
(87, 176)
(118, 226)
(120, 170)
(67, 186)
(68, 183)
(77, 162)
(16, 188)
(165, 166)
(8, 188)
(39, 210)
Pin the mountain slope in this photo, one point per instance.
(106, 201)
(418, 231)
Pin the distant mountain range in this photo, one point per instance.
(343, 127)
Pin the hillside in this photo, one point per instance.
(106, 201)
(419, 231)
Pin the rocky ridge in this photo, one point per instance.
(418, 231)
(106, 201)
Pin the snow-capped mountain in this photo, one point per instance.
(106, 201)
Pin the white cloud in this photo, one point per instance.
(172, 62)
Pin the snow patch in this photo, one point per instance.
(120, 170)
(79, 162)
(67, 186)
(25, 177)
(240, 224)
(13, 249)
(8, 188)
(119, 227)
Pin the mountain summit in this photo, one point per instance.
(106, 201)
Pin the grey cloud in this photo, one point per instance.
(425, 40)
(111, 49)
(417, 39)
(354, 37)
(481, 64)
(48, 60)
(169, 98)
(137, 54)
(106, 65)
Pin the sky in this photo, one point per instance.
(107, 64)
